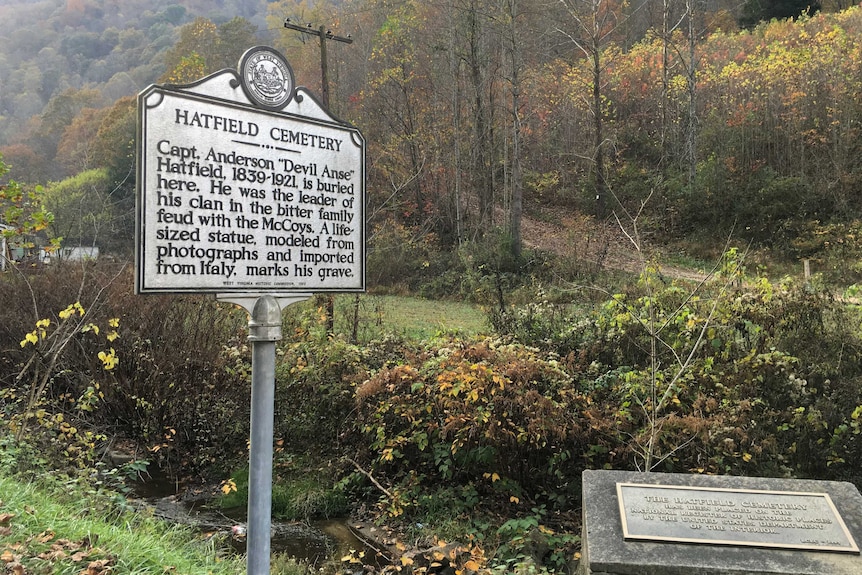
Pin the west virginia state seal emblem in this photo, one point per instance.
(267, 78)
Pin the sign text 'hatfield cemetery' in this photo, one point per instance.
(234, 198)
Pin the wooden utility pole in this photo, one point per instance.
(324, 34)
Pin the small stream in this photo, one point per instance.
(313, 542)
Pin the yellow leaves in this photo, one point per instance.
(30, 338)
(109, 360)
(492, 476)
(71, 310)
(746, 457)
(64, 330)
(353, 557)
(67, 429)
(39, 333)
(498, 380)
(228, 486)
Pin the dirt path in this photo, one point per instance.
(601, 244)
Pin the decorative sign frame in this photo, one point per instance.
(247, 186)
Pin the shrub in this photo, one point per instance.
(314, 392)
(485, 414)
(397, 254)
(53, 375)
(173, 389)
(834, 249)
(562, 327)
(739, 375)
(178, 387)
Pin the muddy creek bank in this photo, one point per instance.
(314, 541)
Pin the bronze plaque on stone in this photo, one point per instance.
(740, 517)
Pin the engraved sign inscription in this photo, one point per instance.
(774, 519)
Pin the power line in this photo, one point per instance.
(324, 34)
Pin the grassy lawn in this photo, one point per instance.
(409, 317)
(59, 528)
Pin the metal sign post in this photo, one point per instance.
(249, 189)
(264, 329)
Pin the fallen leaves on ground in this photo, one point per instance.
(43, 546)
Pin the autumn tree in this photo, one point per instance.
(204, 48)
(114, 150)
(397, 96)
(57, 116)
(595, 22)
(75, 149)
(197, 38)
(479, 58)
(24, 164)
(234, 37)
(511, 14)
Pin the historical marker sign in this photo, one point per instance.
(241, 193)
(743, 517)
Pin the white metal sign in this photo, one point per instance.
(234, 198)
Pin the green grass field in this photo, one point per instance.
(409, 317)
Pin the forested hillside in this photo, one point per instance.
(476, 113)
(58, 58)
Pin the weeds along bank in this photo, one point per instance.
(59, 526)
(472, 434)
(170, 387)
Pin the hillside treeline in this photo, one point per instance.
(751, 133)
(476, 113)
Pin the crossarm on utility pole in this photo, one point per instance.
(324, 34)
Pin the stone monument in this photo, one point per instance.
(676, 524)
